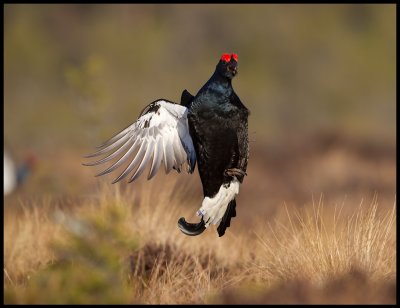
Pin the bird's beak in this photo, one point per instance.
(232, 67)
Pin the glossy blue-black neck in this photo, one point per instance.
(218, 83)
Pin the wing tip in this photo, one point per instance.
(115, 181)
(90, 155)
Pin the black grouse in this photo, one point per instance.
(210, 127)
(16, 174)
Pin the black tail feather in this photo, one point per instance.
(191, 229)
(226, 220)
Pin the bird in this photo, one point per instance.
(16, 174)
(209, 128)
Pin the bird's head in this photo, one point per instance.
(228, 65)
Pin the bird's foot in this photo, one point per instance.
(238, 173)
(191, 229)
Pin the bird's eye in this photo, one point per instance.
(235, 56)
(226, 57)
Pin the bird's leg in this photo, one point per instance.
(191, 229)
(238, 173)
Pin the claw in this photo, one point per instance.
(238, 173)
(190, 228)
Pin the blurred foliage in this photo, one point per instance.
(352, 288)
(77, 73)
(112, 253)
(74, 74)
(90, 266)
(91, 96)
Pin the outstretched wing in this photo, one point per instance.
(161, 132)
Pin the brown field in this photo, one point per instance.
(120, 243)
(316, 215)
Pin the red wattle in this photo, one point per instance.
(226, 57)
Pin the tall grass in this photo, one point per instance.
(316, 256)
(304, 247)
(122, 245)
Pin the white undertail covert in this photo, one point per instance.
(213, 209)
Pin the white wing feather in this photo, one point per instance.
(161, 133)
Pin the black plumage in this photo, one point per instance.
(218, 125)
(186, 98)
(210, 128)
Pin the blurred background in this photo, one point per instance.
(319, 81)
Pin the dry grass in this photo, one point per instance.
(320, 245)
(122, 245)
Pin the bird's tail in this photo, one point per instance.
(217, 210)
(226, 219)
